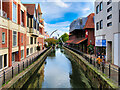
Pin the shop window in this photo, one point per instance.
(3, 37)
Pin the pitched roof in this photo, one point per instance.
(90, 21)
(30, 8)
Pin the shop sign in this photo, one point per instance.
(100, 43)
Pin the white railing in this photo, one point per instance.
(3, 14)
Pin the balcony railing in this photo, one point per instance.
(3, 14)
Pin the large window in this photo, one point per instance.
(101, 6)
(14, 13)
(3, 37)
(109, 24)
(101, 24)
(31, 40)
(97, 9)
(109, 9)
(22, 54)
(109, 17)
(14, 38)
(97, 25)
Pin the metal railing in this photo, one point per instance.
(7, 75)
(3, 14)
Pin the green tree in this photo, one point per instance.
(64, 37)
(51, 41)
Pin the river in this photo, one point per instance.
(59, 71)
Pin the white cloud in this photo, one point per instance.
(62, 27)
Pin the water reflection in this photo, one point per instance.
(59, 72)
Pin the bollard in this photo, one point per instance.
(109, 71)
(23, 65)
(18, 69)
(12, 72)
(3, 77)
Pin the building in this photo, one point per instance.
(107, 29)
(46, 35)
(81, 33)
(21, 30)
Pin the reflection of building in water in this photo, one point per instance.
(38, 78)
(52, 54)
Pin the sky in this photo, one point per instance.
(58, 14)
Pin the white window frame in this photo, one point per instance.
(15, 12)
(16, 38)
(2, 38)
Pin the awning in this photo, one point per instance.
(76, 41)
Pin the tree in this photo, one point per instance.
(64, 37)
(51, 41)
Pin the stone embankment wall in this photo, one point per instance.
(97, 78)
(23, 77)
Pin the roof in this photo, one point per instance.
(39, 9)
(76, 41)
(30, 8)
(90, 21)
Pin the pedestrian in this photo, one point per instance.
(98, 61)
(98, 54)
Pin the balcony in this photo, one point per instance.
(33, 32)
(3, 14)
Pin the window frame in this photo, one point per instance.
(22, 56)
(14, 11)
(109, 24)
(13, 38)
(2, 38)
(101, 4)
(101, 24)
(97, 9)
(108, 17)
(97, 26)
(109, 9)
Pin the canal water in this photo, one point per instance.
(59, 71)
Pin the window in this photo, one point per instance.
(14, 38)
(35, 49)
(34, 24)
(1, 62)
(35, 40)
(109, 2)
(3, 37)
(21, 39)
(27, 21)
(101, 6)
(31, 50)
(22, 54)
(109, 9)
(97, 9)
(5, 60)
(13, 57)
(22, 18)
(109, 17)
(97, 25)
(109, 24)
(31, 40)
(119, 15)
(101, 24)
(27, 51)
(14, 13)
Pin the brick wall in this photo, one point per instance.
(91, 37)
(19, 44)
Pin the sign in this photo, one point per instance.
(101, 43)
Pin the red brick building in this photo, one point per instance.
(21, 31)
(81, 33)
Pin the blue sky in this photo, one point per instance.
(58, 14)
